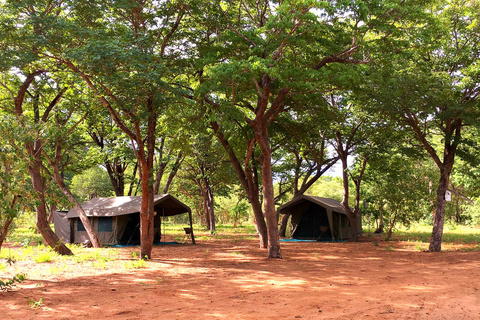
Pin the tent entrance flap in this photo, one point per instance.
(313, 224)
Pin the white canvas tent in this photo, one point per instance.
(116, 219)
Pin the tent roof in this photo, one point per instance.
(165, 205)
(328, 203)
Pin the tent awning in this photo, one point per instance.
(328, 203)
(164, 204)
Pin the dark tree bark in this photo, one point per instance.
(247, 180)
(452, 129)
(39, 187)
(7, 223)
(54, 163)
(34, 150)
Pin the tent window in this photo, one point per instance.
(105, 224)
(80, 226)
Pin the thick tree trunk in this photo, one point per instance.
(145, 160)
(439, 218)
(248, 185)
(43, 226)
(263, 141)
(146, 216)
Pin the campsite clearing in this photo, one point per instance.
(232, 279)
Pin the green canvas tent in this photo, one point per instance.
(116, 219)
(317, 218)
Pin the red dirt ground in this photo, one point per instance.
(233, 279)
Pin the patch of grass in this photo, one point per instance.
(10, 256)
(390, 248)
(43, 257)
(160, 280)
(468, 249)
(135, 254)
(94, 254)
(452, 234)
(375, 243)
(35, 304)
(25, 236)
(99, 264)
(420, 246)
(55, 270)
(136, 264)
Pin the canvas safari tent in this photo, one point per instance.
(117, 219)
(317, 218)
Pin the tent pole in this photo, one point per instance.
(162, 223)
(330, 223)
(191, 225)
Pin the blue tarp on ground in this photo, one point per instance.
(323, 240)
(136, 245)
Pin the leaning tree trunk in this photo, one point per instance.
(247, 184)
(4, 230)
(41, 212)
(92, 235)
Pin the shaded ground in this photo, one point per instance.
(232, 279)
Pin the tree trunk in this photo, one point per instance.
(210, 207)
(262, 137)
(146, 215)
(93, 236)
(439, 218)
(146, 168)
(205, 208)
(380, 220)
(247, 184)
(3, 235)
(116, 173)
(392, 224)
(132, 183)
(38, 183)
(283, 226)
(173, 173)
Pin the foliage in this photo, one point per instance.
(6, 285)
(94, 182)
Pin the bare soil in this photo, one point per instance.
(233, 279)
